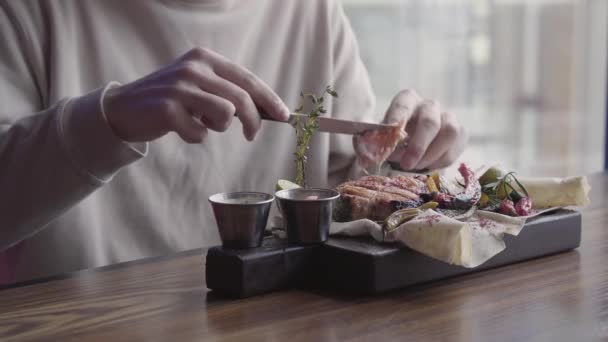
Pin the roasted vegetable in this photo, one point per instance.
(490, 176)
(524, 207)
(507, 208)
(432, 185)
(428, 205)
(484, 200)
(505, 194)
(463, 200)
(437, 179)
(404, 215)
(400, 217)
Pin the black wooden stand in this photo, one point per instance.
(363, 266)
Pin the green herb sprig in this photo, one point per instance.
(305, 132)
(504, 187)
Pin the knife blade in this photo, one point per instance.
(341, 126)
(332, 125)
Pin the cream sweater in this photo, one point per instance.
(74, 196)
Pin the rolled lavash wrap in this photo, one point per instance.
(557, 192)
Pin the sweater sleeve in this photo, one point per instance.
(50, 158)
(356, 98)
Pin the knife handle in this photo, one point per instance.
(264, 116)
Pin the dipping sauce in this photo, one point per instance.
(241, 198)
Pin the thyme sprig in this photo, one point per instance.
(305, 132)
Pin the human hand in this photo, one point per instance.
(200, 90)
(435, 137)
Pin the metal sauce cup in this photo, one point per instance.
(241, 217)
(307, 213)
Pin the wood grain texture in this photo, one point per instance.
(558, 298)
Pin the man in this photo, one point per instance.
(89, 91)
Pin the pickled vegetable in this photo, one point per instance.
(507, 208)
(524, 207)
(400, 217)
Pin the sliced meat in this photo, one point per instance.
(376, 179)
(416, 184)
(349, 189)
(375, 146)
(387, 188)
(376, 197)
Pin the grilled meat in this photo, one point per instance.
(375, 146)
(376, 197)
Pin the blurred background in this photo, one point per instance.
(527, 78)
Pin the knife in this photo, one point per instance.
(332, 125)
(341, 126)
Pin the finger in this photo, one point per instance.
(190, 129)
(262, 95)
(244, 105)
(403, 106)
(453, 153)
(425, 125)
(214, 112)
(448, 136)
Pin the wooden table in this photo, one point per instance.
(558, 298)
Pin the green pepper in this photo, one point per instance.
(400, 217)
(490, 176)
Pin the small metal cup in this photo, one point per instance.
(307, 219)
(241, 217)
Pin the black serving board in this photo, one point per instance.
(247, 272)
(363, 266)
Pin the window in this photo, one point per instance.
(527, 78)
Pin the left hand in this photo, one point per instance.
(435, 137)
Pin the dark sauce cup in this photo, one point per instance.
(241, 217)
(307, 213)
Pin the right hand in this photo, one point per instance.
(435, 136)
(201, 90)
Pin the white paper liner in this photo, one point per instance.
(467, 243)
